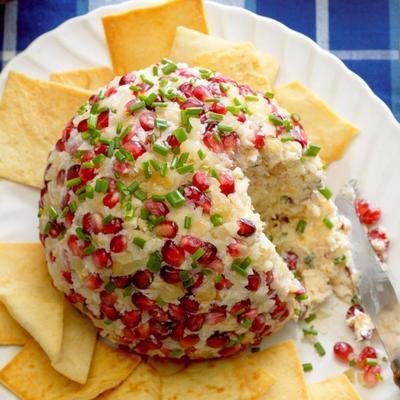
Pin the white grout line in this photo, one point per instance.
(10, 31)
(322, 22)
(367, 54)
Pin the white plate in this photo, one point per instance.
(373, 158)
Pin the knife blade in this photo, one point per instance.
(376, 291)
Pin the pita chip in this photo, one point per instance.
(336, 388)
(87, 78)
(11, 333)
(33, 114)
(142, 36)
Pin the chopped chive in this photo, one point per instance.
(308, 259)
(234, 109)
(161, 124)
(109, 287)
(201, 154)
(101, 186)
(301, 226)
(140, 195)
(107, 219)
(182, 160)
(119, 127)
(175, 198)
(213, 100)
(89, 250)
(135, 88)
(154, 262)
(132, 187)
(160, 301)
(339, 259)
(217, 219)
(326, 192)
(73, 182)
(140, 242)
(310, 332)
(224, 128)
(160, 104)
(246, 262)
(188, 222)
(89, 192)
(237, 268)
(302, 297)
(163, 169)
(217, 137)
(371, 361)
(275, 120)
(79, 232)
(307, 367)
(214, 173)
(137, 106)
(295, 117)
(185, 169)
(52, 213)
(198, 254)
(155, 70)
(224, 87)
(288, 125)
(287, 139)
(205, 74)
(175, 353)
(169, 68)
(147, 81)
(99, 159)
(160, 149)
(173, 162)
(158, 197)
(187, 280)
(47, 228)
(215, 116)
(312, 150)
(269, 95)
(119, 155)
(64, 211)
(251, 98)
(150, 99)
(146, 169)
(246, 323)
(88, 164)
(92, 122)
(180, 135)
(311, 318)
(105, 140)
(320, 350)
(191, 111)
(328, 223)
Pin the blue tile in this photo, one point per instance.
(298, 15)
(36, 17)
(377, 75)
(359, 24)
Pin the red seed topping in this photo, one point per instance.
(241, 117)
(107, 298)
(118, 244)
(216, 317)
(157, 208)
(102, 120)
(135, 148)
(291, 259)
(173, 141)
(75, 297)
(189, 304)
(226, 183)
(234, 249)
(240, 307)
(167, 229)
(217, 340)
(189, 341)
(55, 229)
(195, 322)
(114, 226)
(212, 143)
(131, 318)
(200, 180)
(258, 324)
(93, 281)
(87, 174)
(198, 198)
(142, 279)
(366, 213)
(175, 311)
(170, 274)
(367, 352)
(111, 199)
(254, 282)
(121, 167)
(218, 108)
(143, 331)
(352, 310)
(230, 351)
(259, 141)
(191, 243)
(67, 276)
(122, 281)
(343, 351)
(172, 254)
(280, 311)
(110, 312)
(190, 103)
(102, 259)
(231, 142)
(83, 126)
(74, 246)
(127, 78)
(202, 93)
(224, 283)
(143, 302)
(372, 375)
(246, 227)
(146, 121)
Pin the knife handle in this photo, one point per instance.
(396, 371)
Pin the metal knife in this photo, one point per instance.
(377, 293)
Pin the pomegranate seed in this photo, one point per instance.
(269, 277)
(189, 341)
(142, 279)
(118, 244)
(380, 242)
(234, 249)
(110, 312)
(108, 299)
(73, 245)
(366, 213)
(245, 90)
(179, 330)
(299, 135)
(83, 126)
(259, 141)
(69, 218)
(195, 322)
(121, 167)
(143, 331)
(100, 148)
(67, 276)
(102, 120)
(352, 310)
(241, 117)
(224, 283)
(372, 375)
(254, 282)
(202, 93)
(158, 315)
(131, 318)
(127, 78)
(280, 311)
(60, 177)
(189, 304)
(226, 183)
(212, 143)
(218, 108)
(343, 351)
(114, 226)
(75, 297)
(231, 142)
(157, 208)
(55, 229)
(111, 199)
(93, 282)
(167, 229)
(246, 228)
(176, 312)
(110, 91)
(291, 259)
(367, 352)
(197, 280)
(240, 307)
(210, 253)
(142, 302)
(217, 265)
(73, 172)
(191, 243)
(198, 198)
(186, 72)
(230, 351)
(122, 282)
(66, 133)
(135, 148)
(216, 317)
(128, 335)
(200, 180)
(258, 324)
(186, 89)
(173, 141)
(170, 274)
(102, 259)
(91, 223)
(217, 340)
(172, 254)
(190, 103)
(146, 121)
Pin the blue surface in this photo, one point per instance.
(364, 33)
